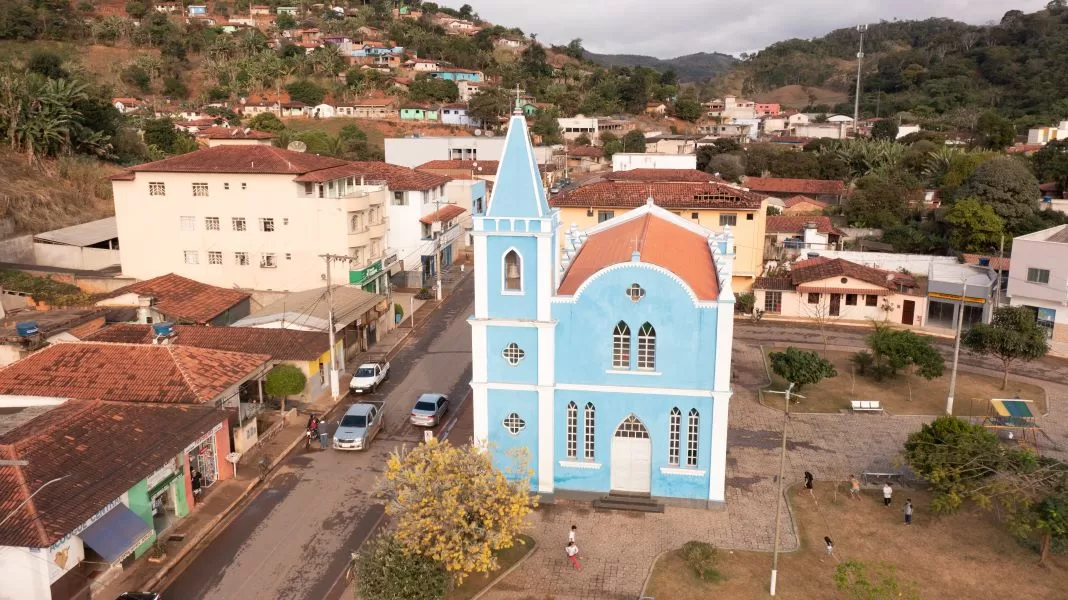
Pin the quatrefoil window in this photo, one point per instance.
(514, 424)
(513, 354)
(635, 292)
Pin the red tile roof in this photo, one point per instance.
(668, 195)
(795, 200)
(400, 179)
(822, 268)
(995, 262)
(445, 213)
(796, 224)
(663, 175)
(128, 372)
(234, 133)
(185, 299)
(586, 152)
(241, 159)
(660, 242)
(279, 344)
(773, 185)
(773, 283)
(375, 102)
(101, 449)
(485, 167)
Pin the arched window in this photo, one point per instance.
(587, 433)
(692, 430)
(621, 346)
(647, 347)
(572, 430)
(513, 271)
(674, 434)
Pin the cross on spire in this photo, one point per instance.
(518, 110)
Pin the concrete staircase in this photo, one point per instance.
(630, 501)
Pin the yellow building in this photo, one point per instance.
(706, 200)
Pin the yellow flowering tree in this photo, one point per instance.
(448, 503)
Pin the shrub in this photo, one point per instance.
(744, 303)
(701, 557)
(862, 360)
(423, 294)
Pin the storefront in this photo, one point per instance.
(942, 311)
(165, 495)
(374, 278)
(204, 457)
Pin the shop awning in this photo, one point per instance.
(117, 534)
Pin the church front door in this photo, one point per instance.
(632, 453)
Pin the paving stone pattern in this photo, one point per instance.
(617, 549)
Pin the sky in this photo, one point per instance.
(670, 28)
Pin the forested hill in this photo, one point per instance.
(933, 67)
(690, 68)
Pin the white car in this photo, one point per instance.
(368, 377)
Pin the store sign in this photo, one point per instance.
(162, 474)
(361, 275)
(957, 298)
(93, 519)
(211, 433)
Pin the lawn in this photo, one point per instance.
(928, 397)
(968, 555)
(506, 559)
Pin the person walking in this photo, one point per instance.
(572, 554)
(198, 483)
(888, 493)
(854, 489)
(908, 511)
(830, 546)
(571, 534)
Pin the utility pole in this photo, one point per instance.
(778, 496)
(860, 61)
(335, 376)
(437, 240)
(1001, 259)
(956, 350)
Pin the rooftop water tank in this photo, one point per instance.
(163, 329)
(26, 328)
(984, 261)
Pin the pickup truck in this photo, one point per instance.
(368, 377)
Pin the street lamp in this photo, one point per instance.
(778, 495)
(956, 348)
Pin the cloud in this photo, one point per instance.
(678, 27)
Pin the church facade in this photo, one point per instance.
(603, 363)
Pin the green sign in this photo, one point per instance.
(368, 273)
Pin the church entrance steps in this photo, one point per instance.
(629, 501)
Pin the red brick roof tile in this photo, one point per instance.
(796, 224)
(234, 133)
(995, 262)
(102, 449)
(586, 152)
(626, 194)
(241, 159)
(775, 185)
(400, 179)
(814, 270)
(663, 176)
(279, 344)
(445, 213)
(795, 200)
(660, 242)
(184, 299)
(128, 372)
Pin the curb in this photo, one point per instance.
(649, 575)
(496, 580)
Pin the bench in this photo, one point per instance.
(865, 406)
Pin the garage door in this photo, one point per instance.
(632, 452)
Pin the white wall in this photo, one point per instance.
(24, 573)
(625, 161)
(412, 152)
(74, 257)
(153, 241)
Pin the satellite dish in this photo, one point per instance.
(478, 132)
(297, 146)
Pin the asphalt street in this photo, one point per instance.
(294, 539)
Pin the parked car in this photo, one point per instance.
(555, 188)
(368, 377)
(429, 409)
(140, 596)
(360, 425)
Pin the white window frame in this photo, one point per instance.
(157, 188)
(513, 354)
(215, 257)
(1038, 278)
(267, 224)
(200, 189)
(589, 429)
(768, 295)
(504, 273)
(241, 259)
(192, 257)
(646, 347)
(268, 260)
(572, 430)
(187, 223)
(514, 424)
(239, 223)
(399, 199)
(621, 346)
(635, 292)
(212, 224)
(674, 436)
(728, 219)
(693, 431)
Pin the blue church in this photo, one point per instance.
(607, 359)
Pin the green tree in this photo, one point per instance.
(884, 129)
(973, 226)
(283, 381)
(1051, 163)
(267, 122)
(574, 49)
(728, 166)
(160, 133)
(1012, 335)
(285, 21)
(1048, 518)
(1008, 186)
(47, 63)
(995, 131)
(436, 90)
(449, 503)
(384, 571)
(877, 202)
(801, 368)
(306, 91)
(895, 350)
(861, 581)
(136, 9)
(688, 109)
(634, 141)
(956, 458)
(546, 125)
(137, 77)
(583, 140)
(489, 105)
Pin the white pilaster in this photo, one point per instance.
(545, 440)
(480, 407)
(724, 339)
(717, 468)
(481, 284)
(479, 359)
(545, 275)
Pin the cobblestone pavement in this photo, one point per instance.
(618, 549)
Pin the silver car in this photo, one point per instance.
(429, 409)
(358, 427)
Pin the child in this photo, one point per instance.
(908, 511)
(830, 546)
(854, 491)
(888, 492)
(571, 534)
(572, 555)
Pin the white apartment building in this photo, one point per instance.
(626, 161)
(1045, 135)
(1039, 278)
(259, 218)
(573, 127)
(414, 151)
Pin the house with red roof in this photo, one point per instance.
(801, 233)
(803, 205)
(179, 299)
(832, 191)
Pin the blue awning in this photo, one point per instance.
(116, 534)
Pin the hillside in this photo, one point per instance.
(933, 68)
(690, 68)
(54, 193)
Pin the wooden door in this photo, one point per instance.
(908, 310)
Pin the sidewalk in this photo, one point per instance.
(221, 499)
